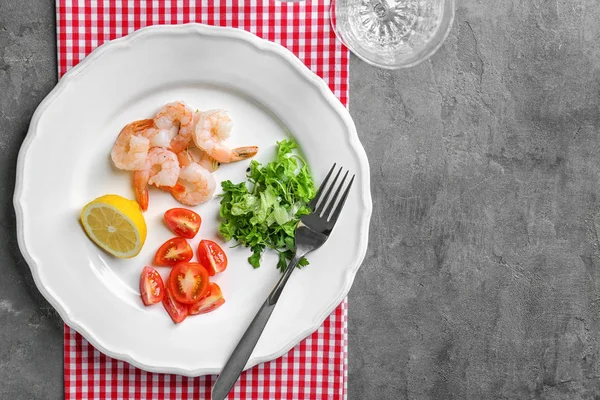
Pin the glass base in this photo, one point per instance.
(392, 33)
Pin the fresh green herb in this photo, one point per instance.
(263, 212)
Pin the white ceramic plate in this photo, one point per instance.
(64, 163)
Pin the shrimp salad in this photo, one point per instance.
(177, 150)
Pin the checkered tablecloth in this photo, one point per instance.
(317, 367)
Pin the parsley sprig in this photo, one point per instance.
(264, 211)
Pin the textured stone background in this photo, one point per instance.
(482, 277)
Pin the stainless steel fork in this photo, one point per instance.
(312, 231)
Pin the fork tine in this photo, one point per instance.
(325, 197)
(313, 203)
(335, 197)
(338, 209)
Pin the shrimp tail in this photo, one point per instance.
(178, 188)
(142, 199)
(178, 144)
(184, 158)
(242, 153)
(142, 125)
(140, 188)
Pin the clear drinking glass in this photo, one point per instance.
(392, 33)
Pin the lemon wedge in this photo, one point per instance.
(116, 224)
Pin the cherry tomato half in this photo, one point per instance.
(188, 282)
(213, 300)
(173, 251)
(152, 288)
(212, 256)
(183, 222)
(176, 310)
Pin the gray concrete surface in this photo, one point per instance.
(482, 277)
(30, 329)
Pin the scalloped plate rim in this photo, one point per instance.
(202, 29)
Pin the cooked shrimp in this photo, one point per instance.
(131, 147)
(160, 137)
(194, 154)
(160, 169)
(212, 128)
(195, 185)
(175, 124)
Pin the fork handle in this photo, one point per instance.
(238, 359)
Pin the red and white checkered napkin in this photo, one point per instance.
(317, 367)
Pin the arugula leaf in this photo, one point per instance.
(254, 259)
(264, 211)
